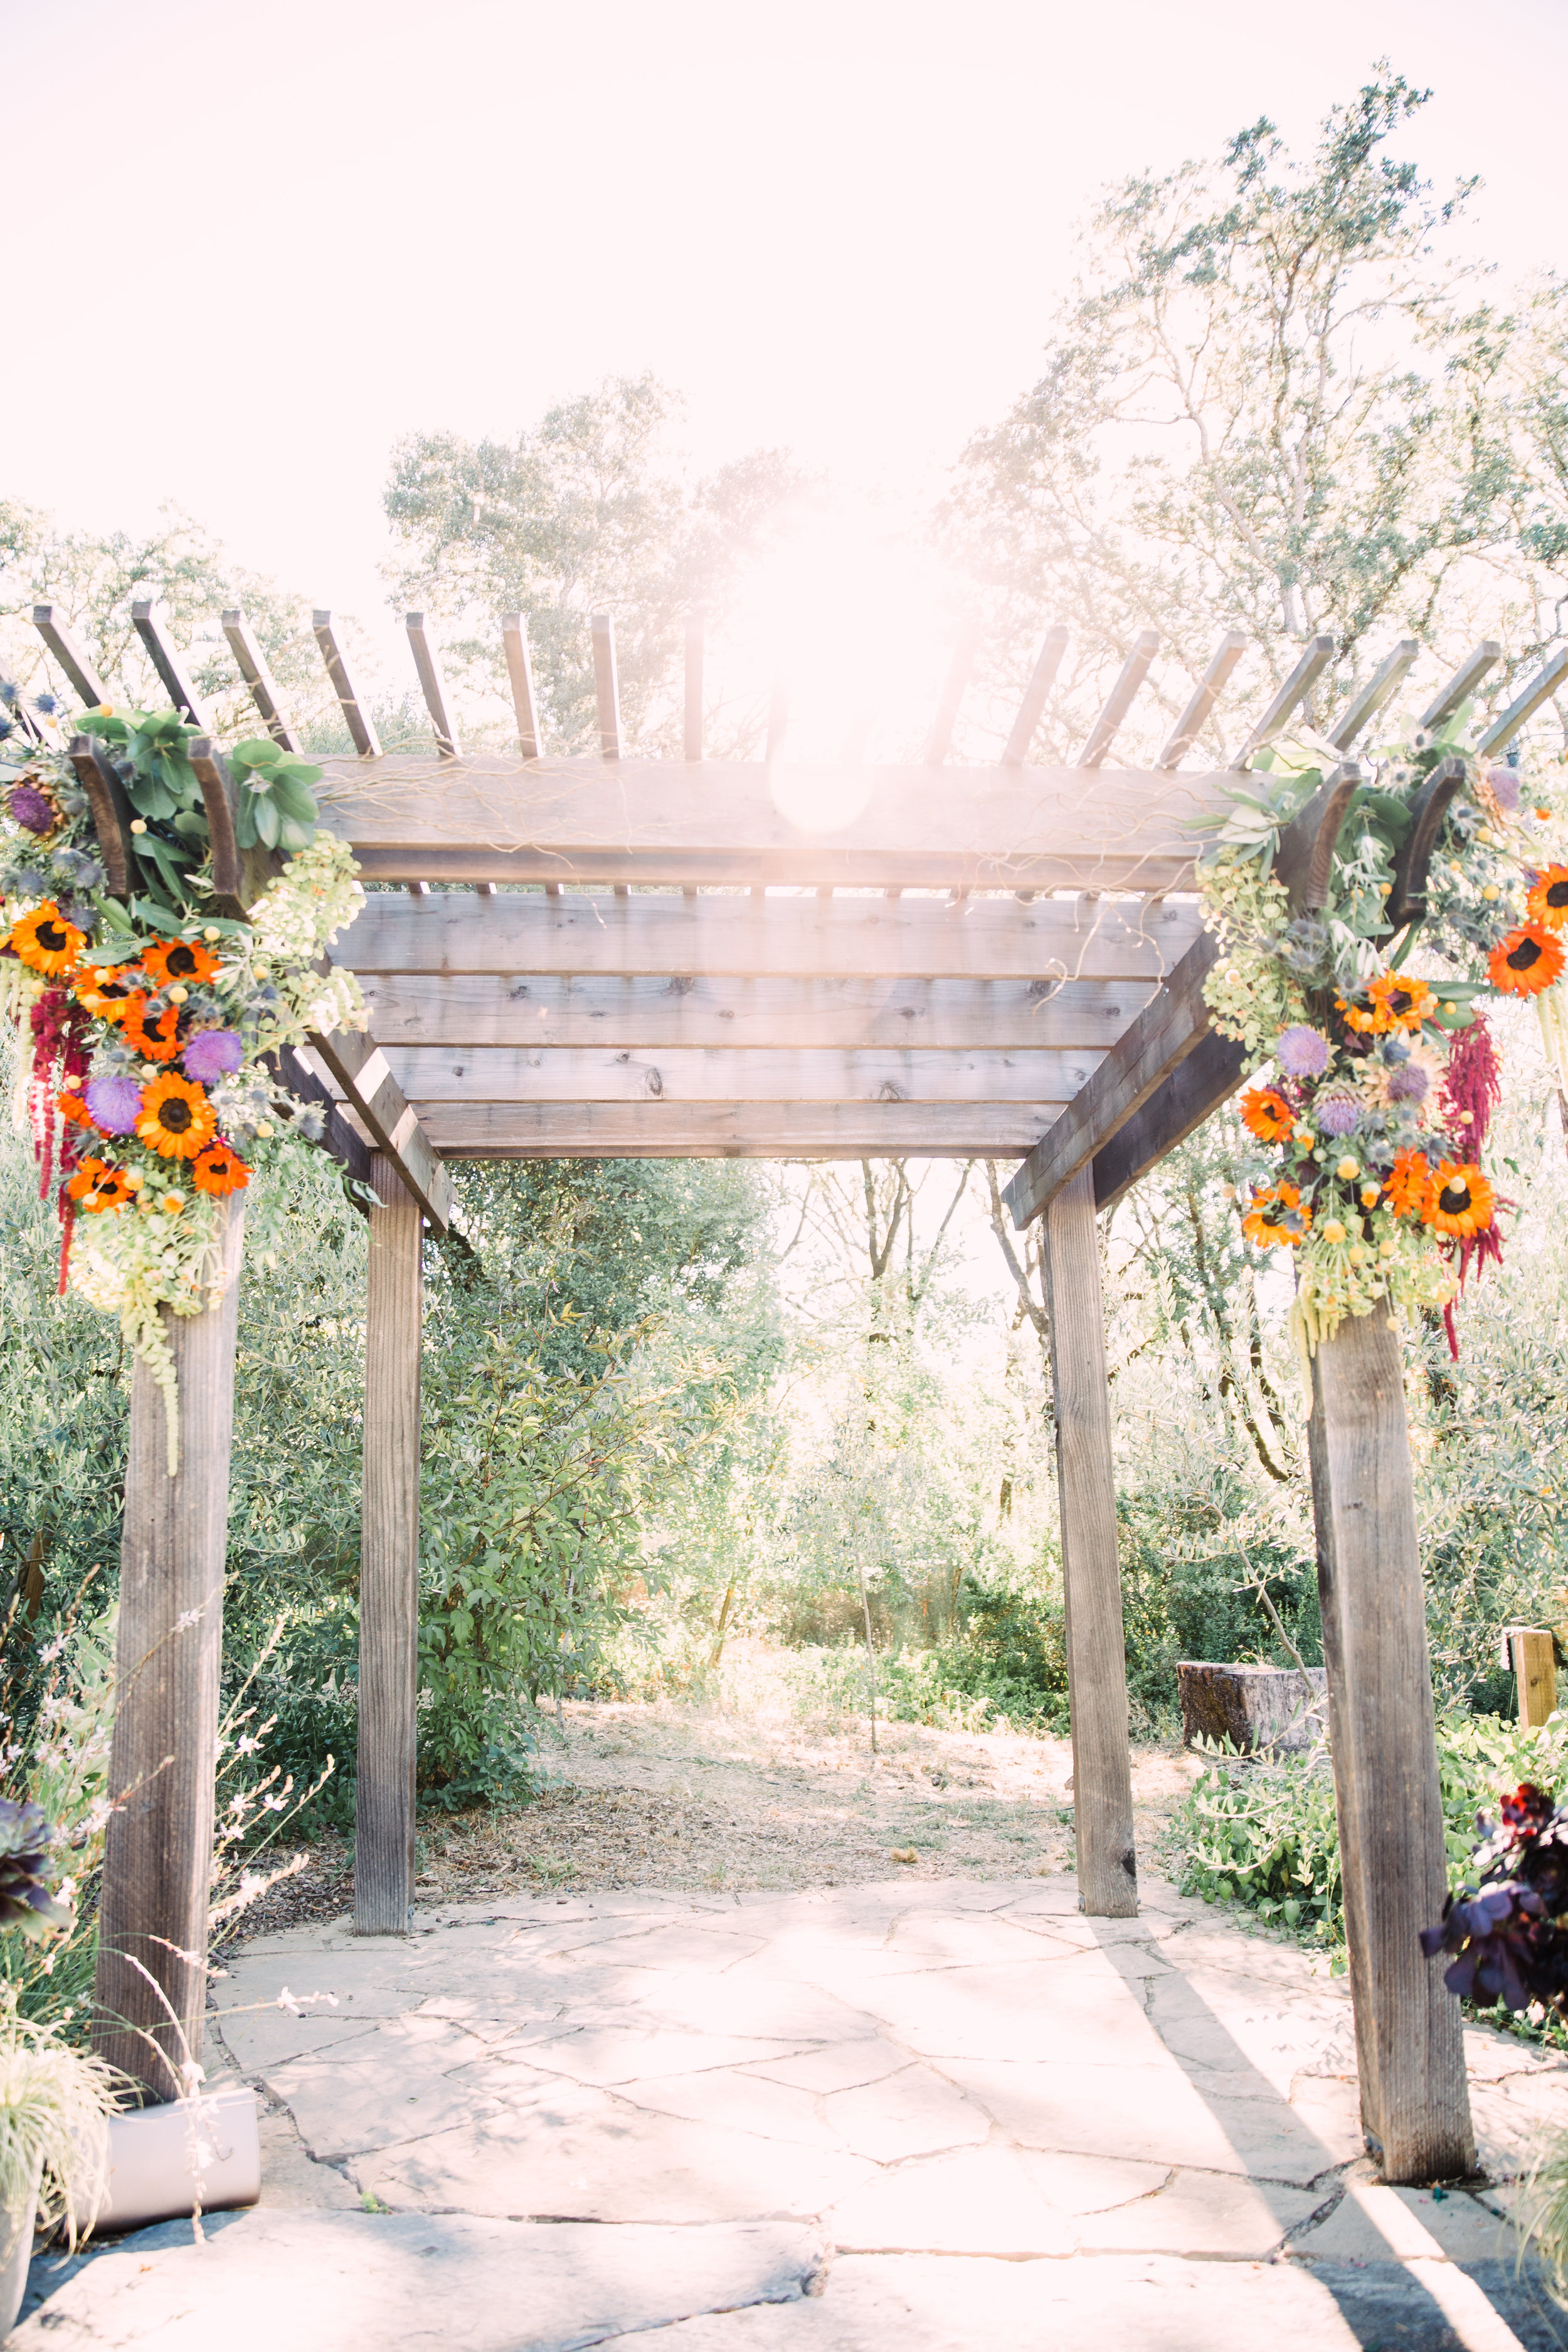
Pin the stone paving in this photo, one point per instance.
(948, 2114)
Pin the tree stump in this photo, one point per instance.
(1261, 1710)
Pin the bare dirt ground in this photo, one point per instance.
(686, 1797)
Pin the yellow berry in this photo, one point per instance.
(134, 1179)
(1385, 1249)
(1347, 1169)
(212, 932)
(1357, 1254)
(1369, 1196)
(1333, 1231)
(138, 825)
(1490, 890)
(1384, 888)
(179, 992)
(263, 1126)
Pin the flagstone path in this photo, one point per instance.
(926, 2115)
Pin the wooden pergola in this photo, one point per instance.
(607, 956)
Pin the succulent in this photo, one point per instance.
(24, 1898)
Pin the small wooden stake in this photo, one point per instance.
(158, 1855)
(1534, 1663)
(389, 1564)
(1382, 1729)
(1091, 1575)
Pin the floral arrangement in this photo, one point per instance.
(1370, 1125)
(149, 1025)
(1505, 1930)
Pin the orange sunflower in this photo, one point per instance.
(46, 942)
(177, 1120)
(158, 1043)
(103, 990)
(1265, 1113)
(1527, 962)
(95, 1185)
(187, 959)
(1401, 1000)
(1548, 899)
(1409, 1182)
(73, 1107)
(218, 1170)
(1458, 1200)
(1265, 1221)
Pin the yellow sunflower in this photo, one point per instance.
(1458, 1200)
(1548, 899)
(177, 1120)
(1265, 1221)
(46, 942)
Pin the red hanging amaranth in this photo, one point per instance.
(1472, 1083)
(61, 1058)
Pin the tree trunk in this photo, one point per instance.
(389, 1564)
(1091, 1573)
(1382, 1729)
(157, 1867)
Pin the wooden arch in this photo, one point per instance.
(615, 956)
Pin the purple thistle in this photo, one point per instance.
(1336, 1111)
(1410, 1083)
(1504, 782)
(115, 1103)
(212, 1054)
(1302, 1052)
(31, 809)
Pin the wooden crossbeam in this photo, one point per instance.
(606, 686)
(647, 1014)
(1541, 688)
(1191, 1092)
(1462, 685)
(1320, 652)
(148, 621)
(362, 1076)
(1027, 725)
(653, 933)
(1118, 702)
(433, 687)
(654, 1130)
(955, 685)
(253, 669)
(63, 644)
(499, 819)
(356, 716)
(1379, 689)
(1210, 686)
(520, 672)
(519, 1074)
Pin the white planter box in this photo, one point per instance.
(161, 2159)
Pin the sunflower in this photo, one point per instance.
(1265, 1222)
(187, 959)
(219, 1170)
(95, 1185)
(1265, 1113)
(1409, 1182)
(1400, 1000)
(1458, 1200)
(177, 1120)
(1548, 899)
(158, 1043)
(103, 990)
(46, 942)
(73, 1107)
(1527, 962)
(1357, 1016)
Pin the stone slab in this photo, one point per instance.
(320, 2282)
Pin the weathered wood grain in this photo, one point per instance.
(1319, 654)
(1091, 1576)
(61, 641)
(1541, 688)
(112, 811)
(1031, 710)
(148, 621)
(1119, 701)
(252, 665)
(1415, 2105)
(742, 1074)
(1379, 689)
(670, 936)
(1192, 1093)
(158, 1854)
(433, 687)
(389, 1565)
(732, 1131)
(360, 1071)
(1462, 684)
(607, 689)
(1210, 686)
(1535, 1664)
(650, 1012)
(520, 671)
(356, 716)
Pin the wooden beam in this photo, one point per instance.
(433, 687)
(1320, 652)
(1541, 688)
(1382, 1736)
(70, 656)
(389, 1565)
(253, 669)
(656, 1130)
(1164, 1033)
(1533, 1655)
(939, 742)
(1118, 702)
(111, 813)
(1191, 1092)
(1027, 725)
(1379, 689)
(713, 823)
(356, 716)
(520, 670)
(645, 1012)
(1210, 686)
(158, 1851)
(740, 1074)
(148, 620)
(1462, 685)
(670, 936)
(691, 746)
(606, 686)
(362, 1075)
(1091, 1576)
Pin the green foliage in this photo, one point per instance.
(277, 806)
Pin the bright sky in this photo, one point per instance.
(249, 247)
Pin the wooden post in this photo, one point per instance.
(1382, 1729)
(1533, 1658)
(157, 1865)
(389, 1564)
(1091, 1574)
